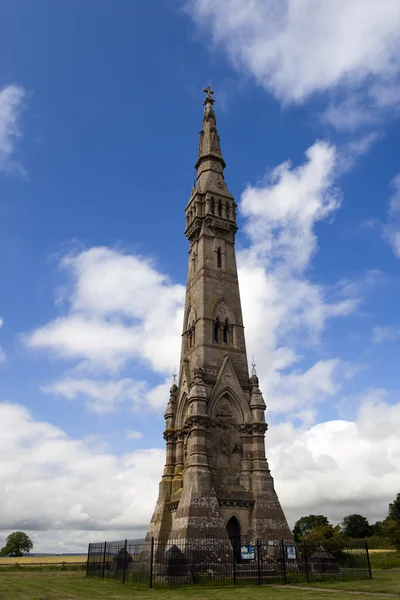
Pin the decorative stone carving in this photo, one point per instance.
(216, 166)
(218, 223)
(245, 429)
(170, 435)
(194, 228)
(224, 410)
(259, 428)
(198, 421)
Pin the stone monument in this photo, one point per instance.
(216, 481)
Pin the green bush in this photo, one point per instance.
(385, 560)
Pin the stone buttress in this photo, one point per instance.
(216, 481)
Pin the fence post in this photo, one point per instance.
(104, 560)
(234, 564)
(87, 560)
(124, 563)
(151, 562)
(258, 562)
(305, 559)
(283, 562)
(369, 562)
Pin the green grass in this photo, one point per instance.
(383, 582)
(74, 586)
(385, 560)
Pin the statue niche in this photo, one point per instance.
(227, 449)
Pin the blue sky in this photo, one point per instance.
(100, 109)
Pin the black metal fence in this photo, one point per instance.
(155, 563)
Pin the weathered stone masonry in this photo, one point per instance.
(216, 478)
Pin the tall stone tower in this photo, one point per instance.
(216, 481)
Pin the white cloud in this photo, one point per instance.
(281, 211)
(339, 467)
(283, 310)
(298, 48)
(121, 308)
(49, 481)
(11, 105)
(131, 434)
(102, 396)
(68, 491)
(390, 333)
(391, 230)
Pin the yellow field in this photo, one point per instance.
(374, 550)
(37, 560)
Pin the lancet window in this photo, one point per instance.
(223, 324)
(216, 330)
(225, 332)
(227, 211)
(219, 258)
(191, 337)
(191, 329)
(212, 206)
(219, 208)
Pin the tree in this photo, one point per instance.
(376, 528)
(324, 533)
(394, 509)
(356, 526)
(391, 529)
(304, 525)
(391, 525)
(16, 544)
(319, 534)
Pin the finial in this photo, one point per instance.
(253, 367)
(174, 375)
(209, 97)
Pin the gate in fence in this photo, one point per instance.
(155, 563)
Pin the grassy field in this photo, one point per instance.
(74, 586)
(385, 560)
(385, 581)
(25, 560)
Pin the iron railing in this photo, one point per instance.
(155, 563)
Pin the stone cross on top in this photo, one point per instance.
(209, 97)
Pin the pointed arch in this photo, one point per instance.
(228, 397)
(232, 394)
(234, 532)
(222, 310)
(181, 411)
(191, 317)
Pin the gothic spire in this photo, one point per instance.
(210, 164)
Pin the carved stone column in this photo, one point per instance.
(245, 431)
